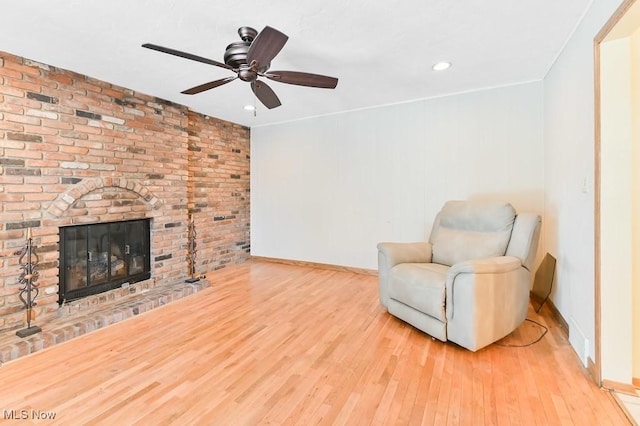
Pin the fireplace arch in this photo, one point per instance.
(68, 198)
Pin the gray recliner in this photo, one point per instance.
(470, 282)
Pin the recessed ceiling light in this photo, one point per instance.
(250, 107)
(441, 66)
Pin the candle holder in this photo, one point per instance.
(193, 251)
(29, 289)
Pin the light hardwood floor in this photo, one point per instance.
(271, 343)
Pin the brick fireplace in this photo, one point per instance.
(76, 150)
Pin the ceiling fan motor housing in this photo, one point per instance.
(236, 53)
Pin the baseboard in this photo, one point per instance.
(362, 271)
(625, 388)
(590, 366)
(564, 325)
(636, 382)
(593, 371)
(579, 341)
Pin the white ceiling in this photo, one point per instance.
(381, 51)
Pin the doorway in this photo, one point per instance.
(617, 203)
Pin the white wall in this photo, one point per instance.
(328, 189)
(569, 174)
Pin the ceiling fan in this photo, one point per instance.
(250, 59)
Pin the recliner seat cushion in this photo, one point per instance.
(420, 286)
(471, 230)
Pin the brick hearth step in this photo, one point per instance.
(73, 325)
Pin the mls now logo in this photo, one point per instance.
(28, 415)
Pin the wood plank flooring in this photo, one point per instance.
(271, 343)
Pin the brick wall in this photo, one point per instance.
(74, 149)
(219, 189)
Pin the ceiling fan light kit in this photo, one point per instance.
(250, 59)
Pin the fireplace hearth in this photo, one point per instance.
(96, 258)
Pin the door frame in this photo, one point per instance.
(596, 369)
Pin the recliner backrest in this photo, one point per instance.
(524, 238)
(465, 230)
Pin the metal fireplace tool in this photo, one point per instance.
(29, 289)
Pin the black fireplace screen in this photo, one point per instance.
(99, 257)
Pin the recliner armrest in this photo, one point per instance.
(480, 269)
(490, 265)
(395, 253)
(486, 299)
(391, 254)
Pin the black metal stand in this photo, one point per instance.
(192, 251)
(29, 289)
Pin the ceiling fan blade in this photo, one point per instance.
(265, 94)
(266, 46)
(303, 79)
(207, 86)
(186, 55)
